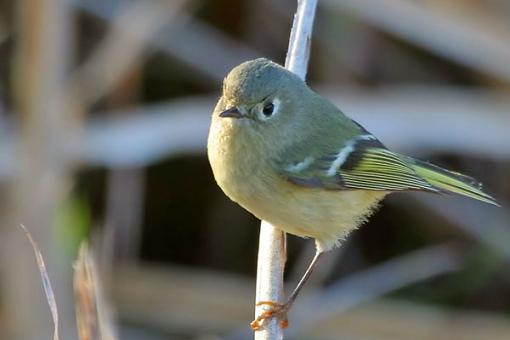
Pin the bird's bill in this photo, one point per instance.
(232, 112)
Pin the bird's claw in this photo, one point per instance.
(274, 310)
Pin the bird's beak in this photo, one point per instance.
(232, 112)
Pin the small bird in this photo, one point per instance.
(291, 157)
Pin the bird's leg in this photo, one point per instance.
(278, 310)
(303, 280)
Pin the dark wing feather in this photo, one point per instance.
(380, 169)
(366, 165)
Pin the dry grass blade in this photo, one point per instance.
(92, 316)
(48, 290)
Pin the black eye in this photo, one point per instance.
(268, 109)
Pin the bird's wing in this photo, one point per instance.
(362, 162)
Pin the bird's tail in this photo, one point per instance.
(449, 181)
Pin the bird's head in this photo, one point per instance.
(260, 98)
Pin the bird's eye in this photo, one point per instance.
(268, 109)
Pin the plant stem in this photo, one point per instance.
(271, 257)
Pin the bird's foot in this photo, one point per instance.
(275, 310)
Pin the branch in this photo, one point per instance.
(271, 258)
(300, 38)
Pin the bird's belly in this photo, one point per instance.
(325, 215)
(247, 178)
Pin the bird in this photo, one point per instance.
(292, 158)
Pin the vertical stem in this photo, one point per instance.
(298, 52)
(271, 265)
(271, 258)
(42, 59)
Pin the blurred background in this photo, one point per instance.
(104, 112)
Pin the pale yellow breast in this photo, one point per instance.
(327, 216)
(246, 177)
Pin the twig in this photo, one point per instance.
(300, 38)
(271, 258)
(271, 265)
(369, 285)
(48, 290)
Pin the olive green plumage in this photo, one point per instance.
(293, 158)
